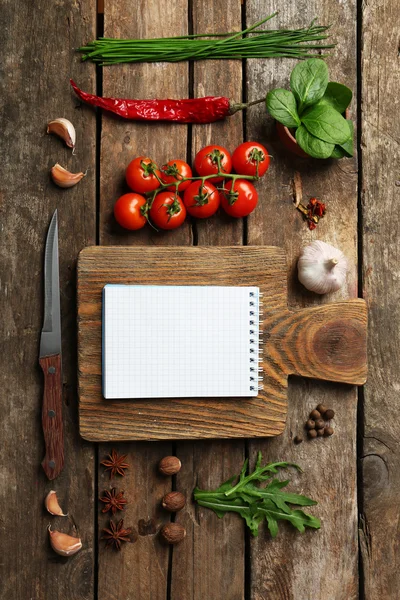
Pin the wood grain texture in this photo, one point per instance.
(380, 144)
(142, 573)
(37, 61)
(203, 567)
(321, 564)
(52, 416)
(333, 337)
(140, 569)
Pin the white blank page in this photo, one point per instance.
(179, 341)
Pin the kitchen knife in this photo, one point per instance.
(50, 358)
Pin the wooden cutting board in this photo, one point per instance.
(327, 342)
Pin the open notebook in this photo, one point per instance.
(180, 341)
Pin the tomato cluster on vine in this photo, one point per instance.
(164, 196)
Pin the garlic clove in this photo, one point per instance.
(322, 268)
(52, 506)
(64, 129)
(64, 178)
(63, 544)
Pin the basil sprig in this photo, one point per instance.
(314, 109)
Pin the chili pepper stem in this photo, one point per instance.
(236, 106)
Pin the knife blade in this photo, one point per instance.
(50, 358)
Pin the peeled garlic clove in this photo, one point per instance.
(322, 268)
(64, 129)
(63, 544)
(64, 178)
(52, 506)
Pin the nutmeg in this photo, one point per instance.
(173, 501)
(319, 424)
(312, 433)
(173, 533)
(322, 409)
(310, 424)
(320, 432)
(298, 439)
(329, 414)
(328, 431)
(169, 465)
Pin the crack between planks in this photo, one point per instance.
(360, 254)
(99, 92)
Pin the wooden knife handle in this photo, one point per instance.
(52, 419)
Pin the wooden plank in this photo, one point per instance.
(214, 570)
(293, 565)
(37, 61)
(142, 573)
(380, 197)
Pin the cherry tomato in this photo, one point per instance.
(240, 200)
(248, 156)
(167, 211)
(206, 161)
(173, 171)
(201, 201)
(129, 211)
(141, 175)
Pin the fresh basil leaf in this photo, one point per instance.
(281, 105)
(338, 152)
(308, 81)
(312, 145)
(346, 149)
(348, 146)
(323, 121)
(337, 95)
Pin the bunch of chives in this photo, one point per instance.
(291, 43)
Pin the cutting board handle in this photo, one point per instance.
(326, 342)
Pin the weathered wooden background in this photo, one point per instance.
(355, 474)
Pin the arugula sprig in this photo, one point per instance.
(314, 108)
(255, 504)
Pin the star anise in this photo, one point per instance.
(113, 501)
(116, 534)
(115, 463)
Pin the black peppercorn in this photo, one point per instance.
(329, 414)
(322, 409)
(319, 424)
(310, 424)
(315, 414)
(312, 433)
(328, 431)
(298, 439)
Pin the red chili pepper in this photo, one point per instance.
(196, 110)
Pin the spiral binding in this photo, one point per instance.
(255, 315)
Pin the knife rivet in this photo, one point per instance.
(52, 370)
(51, 413)
(52, 464)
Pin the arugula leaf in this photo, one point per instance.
(255, 504)
(311, 145)
(325, 123)
(308, 81)
(337, 95)
(259, 473)
(281, 105)
(297, 518)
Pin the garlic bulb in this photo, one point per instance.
(52, 506)
(65, 130)
(63, 544)
(322, 268)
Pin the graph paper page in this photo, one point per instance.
(179, 341)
